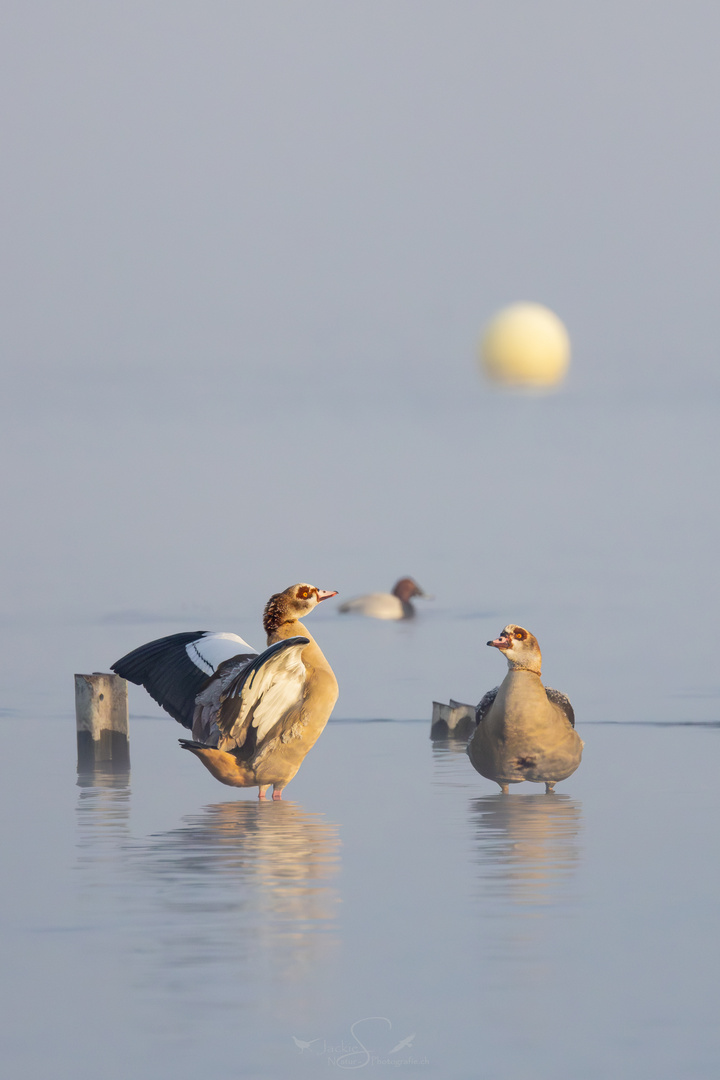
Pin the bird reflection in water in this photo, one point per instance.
(256, 880)
(236, 881)
(528, 847)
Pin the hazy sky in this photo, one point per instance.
(247, 252)
(338, 187)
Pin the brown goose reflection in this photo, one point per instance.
(254, 878)
(287, 851)
(527, 846)
(235, 883)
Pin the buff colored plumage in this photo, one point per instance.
(525, 731)
(256, 716)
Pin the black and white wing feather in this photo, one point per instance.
(562, 702)
(485, 705)
(174, 669)
(207, 702)
(266, 691)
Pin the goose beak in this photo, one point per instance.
(500, 643)
(322, 594)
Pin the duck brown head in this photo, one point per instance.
(406, 588)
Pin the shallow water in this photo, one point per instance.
(395, 912)
(249, 251)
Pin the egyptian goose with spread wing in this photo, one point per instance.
(253, 716)
(382, 605)
(525, 731)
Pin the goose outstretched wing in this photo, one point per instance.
(174, 669)
(267, 691)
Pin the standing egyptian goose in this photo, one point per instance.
(525, 731)
(382, 605)
(253, 717)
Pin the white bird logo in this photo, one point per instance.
(403, 1044)
(302, 1046)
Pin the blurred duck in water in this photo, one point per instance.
(253, 716)
(381, 605)
(525, 731)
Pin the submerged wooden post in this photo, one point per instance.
(453, 721)
(101, 715)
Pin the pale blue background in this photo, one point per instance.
(248, 250)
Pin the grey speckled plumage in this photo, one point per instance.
(484, 705)
(557, 698)
(562, 702)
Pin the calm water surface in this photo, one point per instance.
(249, 251)
(395, 913)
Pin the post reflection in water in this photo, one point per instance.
(450, 746)
(103, 811)
(527, 846)
(237, 881)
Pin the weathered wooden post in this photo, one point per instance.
(453, 721)
(101, 715)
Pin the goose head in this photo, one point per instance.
(520, 647)
(294, 603)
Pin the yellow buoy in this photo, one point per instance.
(525, 345)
